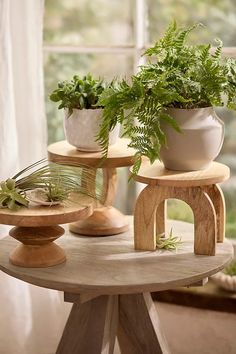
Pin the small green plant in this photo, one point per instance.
(169, 243)
(78, 93)
(180, 75)
(55, 191)
(56, 182)
(12, 197)
(231, 269)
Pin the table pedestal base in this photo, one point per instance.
(104, 221)
(92, 326)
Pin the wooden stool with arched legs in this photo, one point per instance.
(199, 189)
(106, 220)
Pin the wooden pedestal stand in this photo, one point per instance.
(37, 228)
(199, 189)
(106, 220)
(109, 284)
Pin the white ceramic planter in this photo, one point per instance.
(199, 143)
(82, 127)
(225, 281)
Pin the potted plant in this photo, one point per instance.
(79, 98)
(174, 93)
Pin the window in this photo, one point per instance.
(106, 38)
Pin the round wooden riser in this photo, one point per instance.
(37, 229)
(119, 155)
(37, 256)
(37, 249)
(105, 221)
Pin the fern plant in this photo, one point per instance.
(78, 93)
(178, 75)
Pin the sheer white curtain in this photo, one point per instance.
(22, 117)
(31, 318)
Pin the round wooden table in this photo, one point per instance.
(110, 284)
(106, 220)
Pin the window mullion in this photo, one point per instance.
(140, 24)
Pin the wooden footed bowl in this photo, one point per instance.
(37, 229)
(37, 248)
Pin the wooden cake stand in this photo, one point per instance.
(37, 228)
(106, 220)
(110, 284)
(199, 189)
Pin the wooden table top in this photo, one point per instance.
(35, 216)
(110, 265)
(157, 174)
(119, 155)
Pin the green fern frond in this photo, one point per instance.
(183, 34)
(136, 166)
(218, 51)
(170, 121)
(204, 52)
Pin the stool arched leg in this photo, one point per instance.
(215, 193)
(161, 215)
(150, 200)
(204, 217)
(145, 219)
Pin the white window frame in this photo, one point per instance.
(140, 42)
(136, 49)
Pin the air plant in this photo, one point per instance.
(55, 182)
(169, 243)
(10, 196)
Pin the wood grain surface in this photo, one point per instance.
(157, 174)
(89, 329)
(110, 265)
(119, 155)
(139, 329)
(47, 216)
(217, 197)
(150, 201)
(37, 248)
(104, 221)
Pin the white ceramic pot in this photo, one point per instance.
(199, 143)
(225, 281)
(82, 127)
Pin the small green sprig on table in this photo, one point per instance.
(170, 242)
